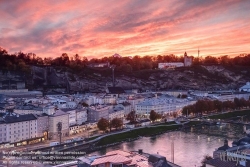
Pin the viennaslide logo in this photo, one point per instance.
(233, 156)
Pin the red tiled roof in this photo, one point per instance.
(123, 153)
(111, 159)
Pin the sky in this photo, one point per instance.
(101, 28)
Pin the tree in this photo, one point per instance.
(183, 96)
(103, 124)
(116, 123)
(84, 104)
(243, 102)
(185, 110)
(131, 117)
(125, 68)
(153, 115)
(218, 105)
(205, 159)
(237, 102)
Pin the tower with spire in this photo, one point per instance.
(187, 60)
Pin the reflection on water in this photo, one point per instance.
(189, 146)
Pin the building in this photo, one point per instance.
(188, 60)
(72, 115)
(12, 85)
(135, 100)
(43, 126)
(28, 109)
(245, 88)
(98, 65)
(95, 113)
(127, 107)
(231, 156)
(161, 105)
(170, 65)
(19, 129)
(120, 158)
(116, 112)
(109, 99)
(115, 91)
(219, 163)
(229, 96)
(176, 93)
(81, 115)
(58, 117)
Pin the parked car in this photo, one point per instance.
(54, 143)
(68, 141)
(78, 139)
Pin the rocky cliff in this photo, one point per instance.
(197, 78)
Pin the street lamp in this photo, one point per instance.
(172, 147)
(59, 129)
(109, 126)
(113, 73)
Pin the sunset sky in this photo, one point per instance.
(99, 28)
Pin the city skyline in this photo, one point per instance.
(96, 29)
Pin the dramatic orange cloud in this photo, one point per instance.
(100, 28)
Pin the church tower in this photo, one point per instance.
(185, 54)
(187, 60)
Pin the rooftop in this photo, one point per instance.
(115, 90)
(13, 118)
(58, 113)
(219, 163)
(114, 158)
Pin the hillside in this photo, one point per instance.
(210, 77)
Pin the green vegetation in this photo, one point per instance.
(92, 138)
(167, 123)
(230, 114)
(103, 124)
(142, 67)
(154, 116)
(147, 131)
(209, 106)
(193, 123)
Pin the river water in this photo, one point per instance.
(190, 145)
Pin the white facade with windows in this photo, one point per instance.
(72, 115)
(161, 105)
(15, 128)
(117, 112)
(230, 97)
(81, 116)
(29, 109)
(245, 88)
(63, 118)
(170, 65)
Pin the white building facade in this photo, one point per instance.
(81, 116)
(161, 105)
(15, 128)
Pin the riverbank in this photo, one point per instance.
(231, 114)
(137, 133)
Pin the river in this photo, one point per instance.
(190, 145)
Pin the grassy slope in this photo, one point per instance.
(230, 114)
(147, 131)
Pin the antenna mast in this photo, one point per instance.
(198, 53)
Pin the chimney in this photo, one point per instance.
(140, 151)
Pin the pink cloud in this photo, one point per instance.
(143, 27)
